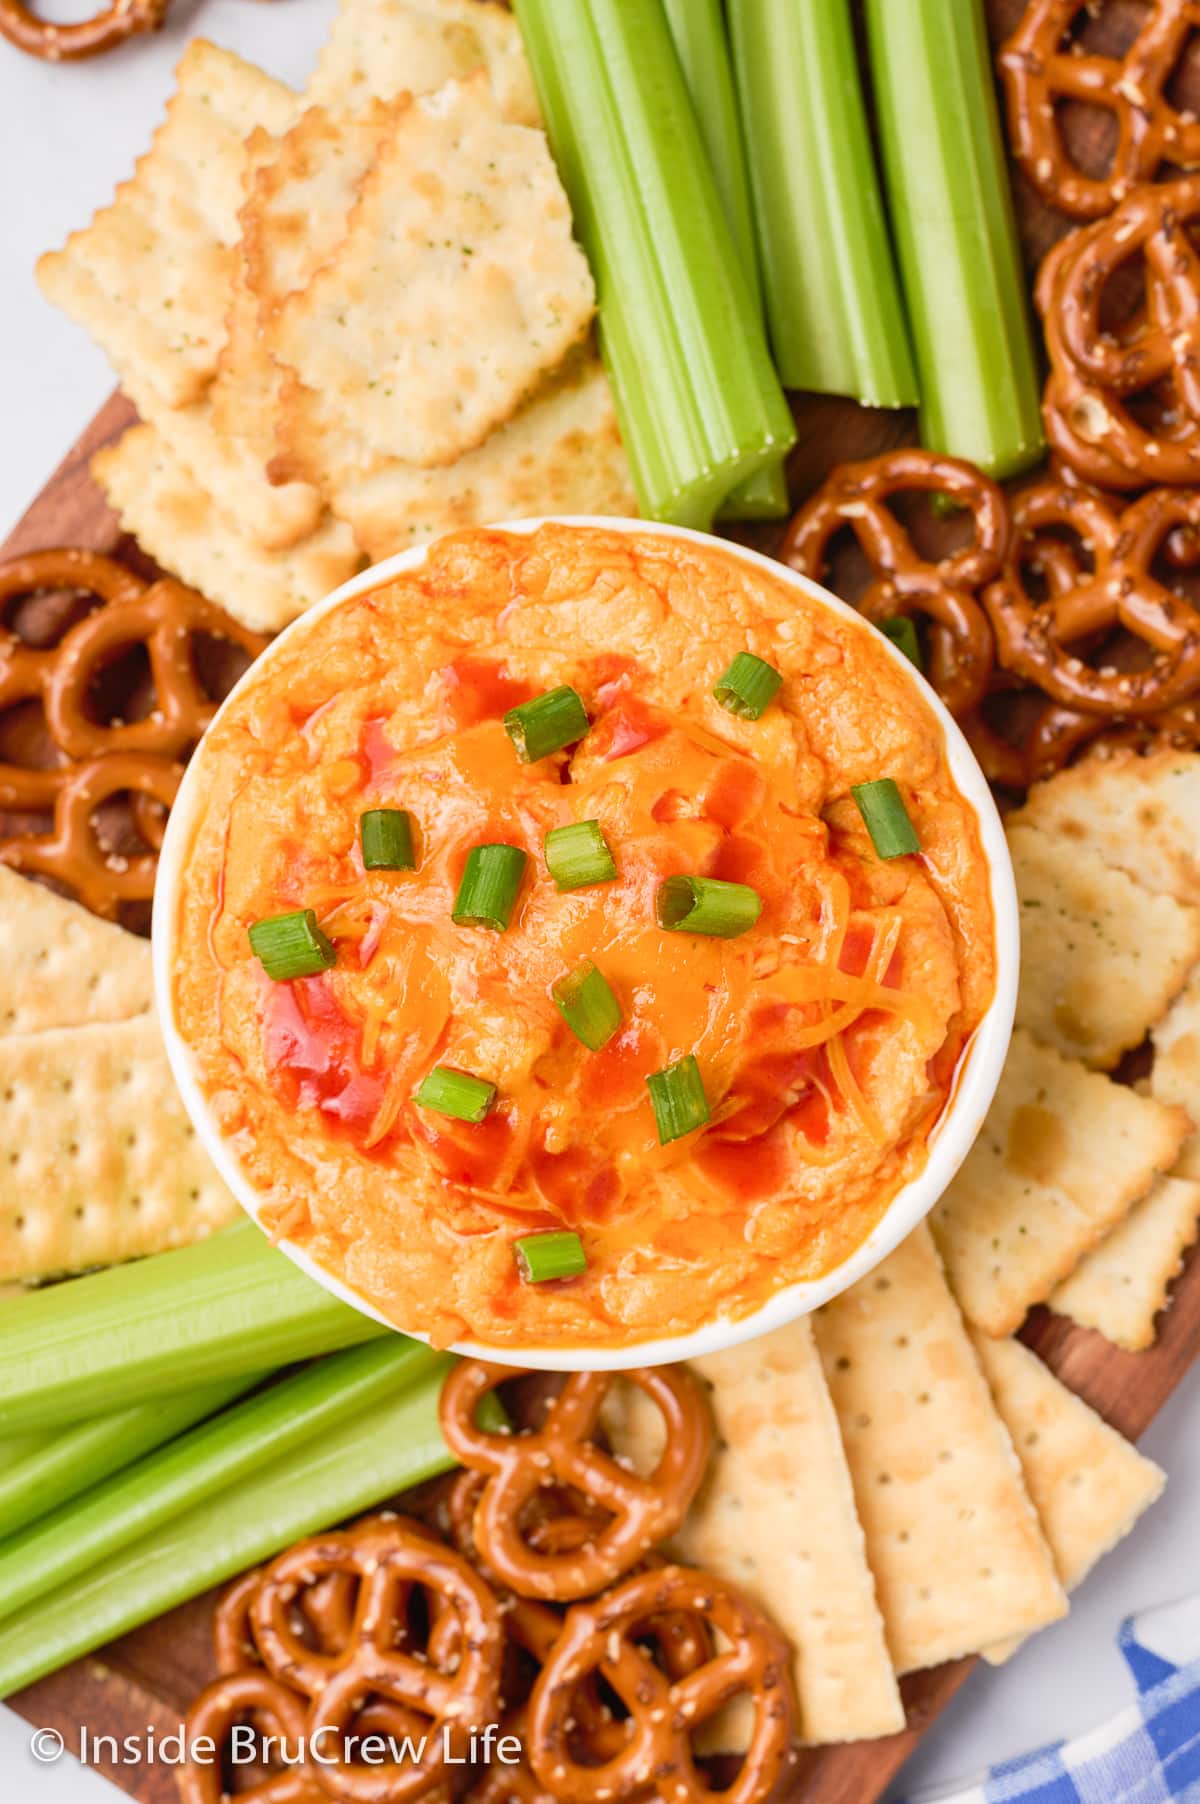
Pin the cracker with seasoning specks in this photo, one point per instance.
(1062, 1157)
(457, 287)
(1101, 957)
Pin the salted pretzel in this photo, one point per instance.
(534, 1628)
(1046, 745)
(600, 1638)
(569, 1522)
(677, 1641)
(165, 618)
(1093, 405)
(857, 496)
(1041, 68)
(326, 1609)
(238, 1697)
(449, 1687)
(333, 1584)
(556, 1520)
(563, 1451)
(232, 1636)
(1040, 638)
(89, 37)
(1056, 733)
(26, 670)
(72, 853)
(98, 760)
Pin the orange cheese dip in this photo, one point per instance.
(826, 1036)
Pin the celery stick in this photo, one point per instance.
(763, 496)
(367, 1458)
(225, 1451)
(955, 235)
(833, 301)
(20, 1447)
(699, 404)
(224, 1307)
(68, 1463)
(702, 45)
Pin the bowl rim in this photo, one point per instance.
(976, 1078)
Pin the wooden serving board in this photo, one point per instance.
(147, 1679)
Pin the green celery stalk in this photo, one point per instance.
(833, 300)
(699, 404)
(225, 1307)
(702, 46)
(81, 1456)
(224, 1451)
(698, 32)
(20, 1447)
(368, 1457)
(955, 234)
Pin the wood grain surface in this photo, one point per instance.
(147, 1678)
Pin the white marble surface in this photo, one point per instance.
(67, 135)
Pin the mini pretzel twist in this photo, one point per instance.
(642, 1511)
(904, 582)
(26, 671)
(1095, 373)
(235, 1698)
(452, 1688)
(1040, 639)
(233, 1638)
(163, 617)
(556, 1520)
(98, 759)
(601, 1638)
(72, 854)
(1040, 68)
(89, 37)
(534, 1628)
(682, 1641)
(327, 1607)
(1057, 733)
(679, 1642)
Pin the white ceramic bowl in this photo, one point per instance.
(978, 1074)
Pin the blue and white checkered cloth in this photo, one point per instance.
(1148, 1754)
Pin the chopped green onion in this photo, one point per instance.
(578, 855)
(748, 686)
(587, 1005)
(956, 239)
(677, 1093)
(228, 1305)
(903, 635)
(698, 402)
(543, 1257)
(358, 1462)
(291, 945)
(488, 892)
(833, 300)
(387, 840)
(547, 723)
(456, 1093)
(886, 818)
(707, 905)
